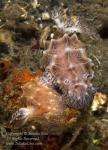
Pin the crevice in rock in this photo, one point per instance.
(103, 32)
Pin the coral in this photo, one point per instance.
(67, 67)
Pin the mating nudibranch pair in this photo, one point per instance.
(67, 68)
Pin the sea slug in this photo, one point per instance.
(68, 67)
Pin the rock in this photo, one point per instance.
(45, 16)
(35, 4)
(13, 12)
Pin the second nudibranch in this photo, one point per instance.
(42, 102)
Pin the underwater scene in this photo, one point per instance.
(53, 74)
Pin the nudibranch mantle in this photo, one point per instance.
(70, 69)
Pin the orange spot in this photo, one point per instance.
(74, 19)
(22, 76)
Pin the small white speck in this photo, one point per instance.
(38, 104)
(79, 97)
(55, 95)
(81, 49)
(30, 86)
(92, 64)
(86, 93)
(45, 16)
(39, 19)
(54, 109)
(51, 100)
(50, 93)
(43, 84)
(91, 84)
(54, 56)
(71, 66)
(31, 97)
(41, 25)
(49, 108)
(37, 89)
(52, 63)
(89, 60)
(44, 52)
(9, 1)
(85, 85)
(52, 35)
(58, 81)
(76, 79)
(68, 49)
(70, 93)
(33, 127)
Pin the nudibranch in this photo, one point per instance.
(70, 25)
(67, 24)
(42, 102)
(67, 66)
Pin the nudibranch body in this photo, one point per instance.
(41, 100)
(68, 67)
